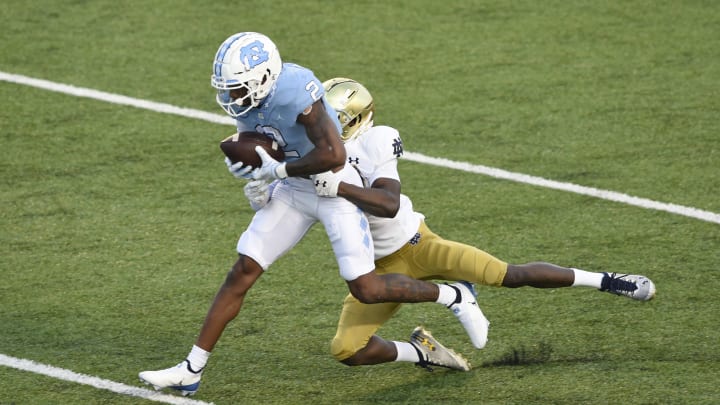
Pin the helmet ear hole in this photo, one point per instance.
(265, 77)
(354, 121)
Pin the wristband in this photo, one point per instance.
(281, 171)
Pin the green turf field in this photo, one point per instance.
(117, 224)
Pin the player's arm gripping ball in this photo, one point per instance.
(271, 169)
(240, 153)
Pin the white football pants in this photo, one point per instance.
(293, 208)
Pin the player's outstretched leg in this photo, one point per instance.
(432, 353)
(468, 312)
(629, 285)
(180, 378)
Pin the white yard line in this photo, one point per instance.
(570, 187)
(417, 157)
(68, 375)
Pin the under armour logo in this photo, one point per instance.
(427, 343)
(317, 183)
(415, 239)
(397, 147)
(352, 160)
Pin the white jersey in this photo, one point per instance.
(374, 154)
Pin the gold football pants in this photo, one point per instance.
(426, 256)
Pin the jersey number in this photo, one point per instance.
(313, 88)
(277, 136)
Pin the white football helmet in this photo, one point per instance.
(353, 104)
(245, 61)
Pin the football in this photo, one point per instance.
(240, 147)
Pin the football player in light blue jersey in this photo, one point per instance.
(286, 101)
(277, 115)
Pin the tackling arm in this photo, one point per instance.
(380, 200)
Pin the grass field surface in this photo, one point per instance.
(118, 224)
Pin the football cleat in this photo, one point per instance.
(432, 353)
(629, 285)
(470, 315)
(180, 378)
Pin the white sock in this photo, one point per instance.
(198, 359)
(447, 295)
(406, 352)
(586, 278)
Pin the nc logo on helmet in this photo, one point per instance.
(253, 54)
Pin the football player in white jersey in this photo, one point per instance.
(286, 101)
(405, 245)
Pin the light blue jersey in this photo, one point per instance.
(296, 89)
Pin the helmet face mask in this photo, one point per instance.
(245, 70)
(353, 104)
(244, 99)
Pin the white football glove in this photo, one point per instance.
(237, 169)
(271, 169)
(257, 192)
(326, 183)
